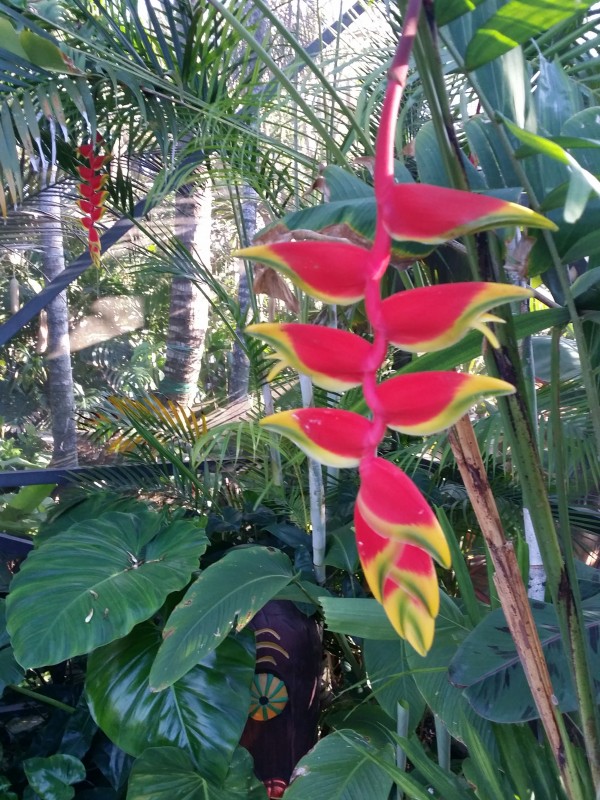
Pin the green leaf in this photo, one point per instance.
(494, 161)
(340, 767)
(226, 595)
(167, 773)
(357, 616)
(391, 679)
(586, 291)
(341, 549)
(431, 165)
(487, 666)
(91, 584)
(203, 713)
(515, 23)
(452, 9)
(581, 181)
(51, 777)
(10, 671)
(431, 673)
(570, 364)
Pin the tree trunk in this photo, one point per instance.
(188, 315)
(240, 366)
(58, 355)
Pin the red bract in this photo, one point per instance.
(434, 317)
(397, 532)
(92, 202)
(422, 403)
(334, 437)
(418, 212)
(330, 271)
(335, 360)
(392, 505)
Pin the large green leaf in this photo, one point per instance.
(52, 778)
(167, 773)
(431, 674)
(488, 668)
(391, 679)
(494, 161)
(451, 9)
(430, 164)
(515, 23)
(91, 584)
(357, 616)
(226, 595)
(341, 549)
(341, 767)
(203, 713)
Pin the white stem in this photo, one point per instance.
(537, 573)
(316, 494)
(275, 454)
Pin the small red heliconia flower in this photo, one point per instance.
(335, 360)
(331, 436)
(92, 197)
(432, 318)
(330, 271)
(418, 212)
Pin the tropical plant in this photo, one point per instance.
(162, 598)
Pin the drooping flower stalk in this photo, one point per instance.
(398, 535)
(92, 192)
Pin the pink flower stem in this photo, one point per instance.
(380, 253)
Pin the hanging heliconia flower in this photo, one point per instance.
(398, 534)
(92, 193)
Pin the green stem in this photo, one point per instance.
(569, 589)
(42, 698)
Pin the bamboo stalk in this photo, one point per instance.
(513, 598)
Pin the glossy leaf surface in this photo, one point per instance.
(166, 773)
(51, 778)
(341, 767)
(515, 23)
(92, 583)
(203, 713)
(226, 595)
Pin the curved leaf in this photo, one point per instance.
(431, 675)
(51, 777)
(341, 767)
(165, 773)
(203, 713)
(515, 23)
(10, 671)
(487, 666)
(226, 595)
(91, 584)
